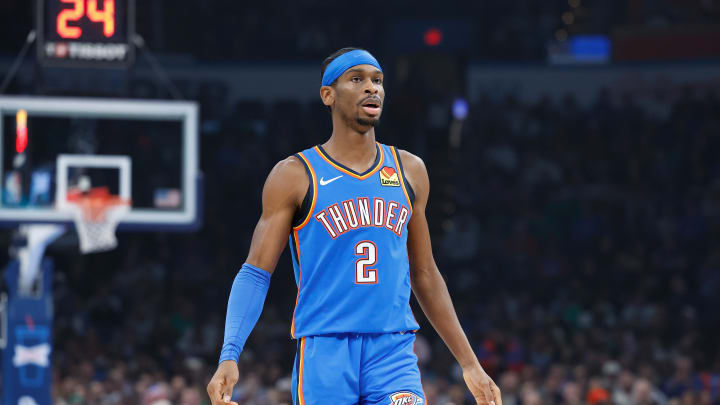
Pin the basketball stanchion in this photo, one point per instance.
(27, 317)
(37, 238)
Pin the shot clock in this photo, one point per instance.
(85, 33)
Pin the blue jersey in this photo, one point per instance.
(349, 250)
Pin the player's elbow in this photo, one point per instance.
(424, 276)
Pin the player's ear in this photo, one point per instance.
(327, 94)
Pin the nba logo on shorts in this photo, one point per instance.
(405, 398)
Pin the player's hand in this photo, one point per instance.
(482, 386)
(221, 385)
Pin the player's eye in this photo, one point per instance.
(356, 79)
(378, 80)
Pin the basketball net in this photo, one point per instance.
(96, 214)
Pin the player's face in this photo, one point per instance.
(359, 96)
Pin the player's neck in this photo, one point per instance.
(352, 149)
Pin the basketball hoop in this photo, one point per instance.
(96, 214)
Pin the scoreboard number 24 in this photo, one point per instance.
(106, 17)
(85, 33)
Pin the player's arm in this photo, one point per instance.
(283, 192)
(431, 292)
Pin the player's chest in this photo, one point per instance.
(344, 205)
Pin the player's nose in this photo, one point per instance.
(370, 87)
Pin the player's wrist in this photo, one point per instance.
(469, 364)
(229, 354)
(228, 363)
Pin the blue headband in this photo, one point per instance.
(344, 62)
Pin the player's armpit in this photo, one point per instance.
(283, 193)
(420, 255)
(416, 174)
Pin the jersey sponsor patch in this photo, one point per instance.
(405, 398)
(389, 177)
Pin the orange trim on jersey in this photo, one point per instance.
(364, 176)
(301, 397)
(402, 178)
(297, 252)
(314, 184)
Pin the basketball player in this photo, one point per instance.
(354, 212)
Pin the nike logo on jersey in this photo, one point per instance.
(324, 182)
(362, 212)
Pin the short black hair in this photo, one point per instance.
(334, 56)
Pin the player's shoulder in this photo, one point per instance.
(288, 175)
(411, 163)
(290, 164)
(415, 172)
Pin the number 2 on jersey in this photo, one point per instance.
(367, 252)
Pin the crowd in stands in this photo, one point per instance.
(223, 30)
(579, 243)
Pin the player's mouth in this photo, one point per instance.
(371, 106)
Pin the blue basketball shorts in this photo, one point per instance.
(357, 369)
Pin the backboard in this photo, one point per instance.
(143, 151)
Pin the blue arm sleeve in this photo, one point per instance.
(243, 310)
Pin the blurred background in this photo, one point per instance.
(572, 147)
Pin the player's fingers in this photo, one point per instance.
(496, 395)
(481, 400)
(478, 396)
(484, 397)
(226, 391)
(212, 388)
(214, 392)
(487, 391)
(220, 393)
